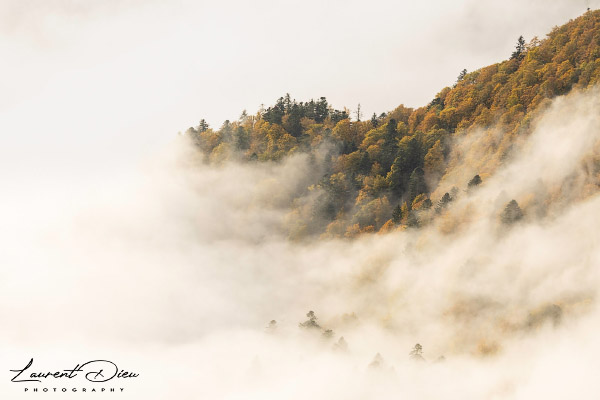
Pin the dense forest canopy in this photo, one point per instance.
(384, 172)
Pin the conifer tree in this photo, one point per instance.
(475, 181)
(417, 353)
(416, 183)
(397, 214)
(412, 221)
(374, 121)
(512, 213)
(519, 49)
(311, 322)
(443, 203)
(203, 126)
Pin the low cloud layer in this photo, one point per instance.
(176, 271)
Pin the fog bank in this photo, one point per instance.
(176, 269)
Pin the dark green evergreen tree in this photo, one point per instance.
(203, 126)
(475, 181)
(390, 146)
(275, 114)
(374, 121)
(412, 221)
(397, 214)
(321, 110)
(408, 158)
(337, 115)
(287, 103)
(242, 140)
(519, 49)
(416, 184)
(512, 213)
(294, 125)
(443, 203)
(226, 131)
(365, 163)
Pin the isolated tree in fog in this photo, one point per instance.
(272, 326)
(475, 181)
(328, 333)
(417, 353)
(512, 213)
(311, 322)
(341, 345)
(377, 362)
(443, 203)
(462, 75)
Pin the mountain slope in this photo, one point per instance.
(402, 168)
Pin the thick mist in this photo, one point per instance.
(176, 270)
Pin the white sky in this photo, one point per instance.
(90, 85)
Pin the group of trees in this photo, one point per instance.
(380, 173)
(311, 324)
(289, 113)
(416, 354)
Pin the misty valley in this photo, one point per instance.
(467, 226)
(301, 249)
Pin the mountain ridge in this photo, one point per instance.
(388, 171)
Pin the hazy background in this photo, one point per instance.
(175, 269)
(89, 85)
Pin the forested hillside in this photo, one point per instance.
(392, 170)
